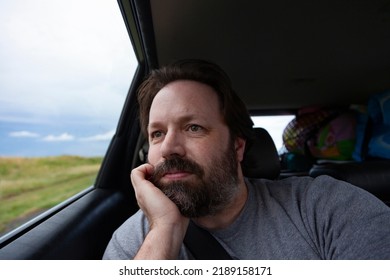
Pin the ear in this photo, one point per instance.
(239, 145)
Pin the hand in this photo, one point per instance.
(157, 207)
(167, 225)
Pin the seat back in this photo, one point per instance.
(261, 159)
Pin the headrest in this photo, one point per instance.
(371, 175)
(261, 159)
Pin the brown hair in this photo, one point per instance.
(233, 109)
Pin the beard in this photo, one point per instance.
(209, 192)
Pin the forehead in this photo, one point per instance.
(185, 98)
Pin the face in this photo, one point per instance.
(195, 159)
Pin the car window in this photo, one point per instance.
(65, 70)
(275, 126)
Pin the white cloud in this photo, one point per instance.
(100, 137)
(59, 138)
(64, 68)
(74, 63)
(63, 137)
(23, 134)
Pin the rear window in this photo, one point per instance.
(275, 126)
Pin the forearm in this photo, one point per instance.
(162, 243)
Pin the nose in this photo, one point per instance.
(172, 145)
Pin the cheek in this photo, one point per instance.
(153, 155)
(208, 154)
(201, 156)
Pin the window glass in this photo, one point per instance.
(275, 126)
(65, 70)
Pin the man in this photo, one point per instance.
(198, 130)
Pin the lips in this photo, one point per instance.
(176, 174)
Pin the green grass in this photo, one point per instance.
(29, 186)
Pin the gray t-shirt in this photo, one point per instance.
(295, 218)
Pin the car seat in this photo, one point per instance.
(261, 158)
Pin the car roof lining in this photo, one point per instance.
(281, 54)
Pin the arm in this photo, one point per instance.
(167, 225)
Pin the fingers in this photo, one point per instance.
(157, 207)
(145, 191)
(150, 198)
(140, 175)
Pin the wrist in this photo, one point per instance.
(163, 241)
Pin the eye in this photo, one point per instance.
(195, 128)
(156, 134)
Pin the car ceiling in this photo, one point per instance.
(282, 54)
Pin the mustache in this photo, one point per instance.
(175, 164)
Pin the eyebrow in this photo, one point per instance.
(185, 118)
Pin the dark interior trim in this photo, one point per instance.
(79, 231)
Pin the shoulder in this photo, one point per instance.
(306, 189)
(127, 239)
(342, 220)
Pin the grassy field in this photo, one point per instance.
(28, 186)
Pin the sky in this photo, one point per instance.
(65, 70)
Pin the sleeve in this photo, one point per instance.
(127, 239)
(346, 222)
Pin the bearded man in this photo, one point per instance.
(198, 130)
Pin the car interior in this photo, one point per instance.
(281, 56)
